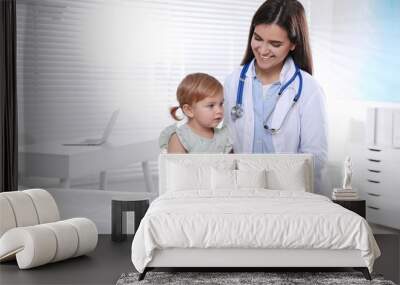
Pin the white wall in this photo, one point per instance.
(354, 59)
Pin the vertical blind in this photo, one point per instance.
(77, 61)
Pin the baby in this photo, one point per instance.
(201, 99)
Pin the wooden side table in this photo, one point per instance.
(119, 206)
(357, 206)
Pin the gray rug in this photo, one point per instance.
(243, 278)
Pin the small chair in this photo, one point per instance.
(31, 230)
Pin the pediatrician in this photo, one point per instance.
(272, 102)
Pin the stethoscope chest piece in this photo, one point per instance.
(237, 112)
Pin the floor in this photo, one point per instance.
(103, 266)
(111, 259)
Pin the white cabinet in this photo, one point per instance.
(380, 185)
(377, 168)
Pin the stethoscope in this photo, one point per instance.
(237, 110)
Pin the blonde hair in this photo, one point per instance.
(194, 88)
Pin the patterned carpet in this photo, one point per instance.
(243, 278)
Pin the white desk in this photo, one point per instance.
(52, 159)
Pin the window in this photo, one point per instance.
(80, 60)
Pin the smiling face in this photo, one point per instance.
(206, 113)
(271, 45)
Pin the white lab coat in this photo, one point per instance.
(305, 129)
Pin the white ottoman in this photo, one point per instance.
(31, 232)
